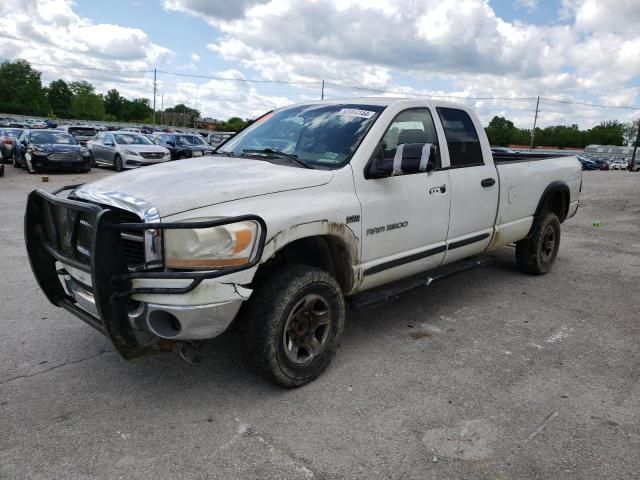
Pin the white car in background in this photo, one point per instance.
(123, 149)
(619, 165)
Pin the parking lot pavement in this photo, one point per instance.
(490, 374)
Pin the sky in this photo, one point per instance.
(495, 55)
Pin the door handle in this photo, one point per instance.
(488, 182)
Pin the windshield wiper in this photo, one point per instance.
(278, 153)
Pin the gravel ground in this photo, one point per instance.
(491, 374)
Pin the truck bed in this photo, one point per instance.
(524, 157)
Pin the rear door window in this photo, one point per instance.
(462, 138)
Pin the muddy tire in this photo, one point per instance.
(537, 253)
(292, 325)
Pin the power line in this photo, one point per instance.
(90, 68)
(573, 102)
(396, 92)
(246, 80)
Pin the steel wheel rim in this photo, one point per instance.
(307, 330)
(548, 243)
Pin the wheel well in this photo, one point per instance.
(555, 199)
(326, 252)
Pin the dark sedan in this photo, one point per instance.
(183, 145)
(50, 150)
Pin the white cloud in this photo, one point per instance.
(195, 57)
(529, 5)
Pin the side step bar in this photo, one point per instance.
(381, 294)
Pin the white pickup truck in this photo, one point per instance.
(312, 207)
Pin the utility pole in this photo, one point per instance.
(195, 117)
(632, 166)
(162, 108)
(154, 96)
(322, 94)
(535, 120)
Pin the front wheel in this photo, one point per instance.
(537, 253)
(117, 163)
(292, 325)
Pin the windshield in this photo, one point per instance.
(189, 140)
(318, 135)
(131, 139)
(82, 131)
(56, 138)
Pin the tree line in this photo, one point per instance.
(611, 132)
(23, 93)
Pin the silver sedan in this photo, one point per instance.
(125, 150)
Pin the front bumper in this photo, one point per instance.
(135, 161)
(77, 255)
(46, 163)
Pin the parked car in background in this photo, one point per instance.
(51, 123)
(1, 165)
(50, 150)
(184, 145)
(603, 163)
(125, 150)
(618, 165)
(8, 138)
(130, 129)
(82, 133)
(587, 164)
(215, 139)
(496, 149)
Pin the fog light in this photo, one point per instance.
(164, 324)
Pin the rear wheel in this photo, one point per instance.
(117, 163)
(15, 160)
(292, 325)
(537, 253)
(92, 160)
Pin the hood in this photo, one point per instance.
(175, 187)
(143, 148)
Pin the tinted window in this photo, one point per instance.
(462, 138)
(411, 127)
(82, 131)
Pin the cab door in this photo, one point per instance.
(405, 217)
(474, 186)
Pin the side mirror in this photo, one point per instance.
(377, 167)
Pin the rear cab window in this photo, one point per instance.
(462, 138)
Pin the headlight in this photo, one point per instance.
(229, 245)
(39, 151)
(130, 152)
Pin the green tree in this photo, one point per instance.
(21, 89)
(186, 115)
(113, 103)
(234, 124)
(610, 132)
(501, 131)
(59, 96)
(136, 110)
(86, 104)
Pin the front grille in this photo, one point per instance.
(132, 240)
(152, 155)
(64, 157)
(69, 231)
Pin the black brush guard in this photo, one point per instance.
(87, 237)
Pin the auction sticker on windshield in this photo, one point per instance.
(354, 112)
